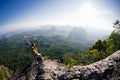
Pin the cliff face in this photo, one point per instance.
(106, 69)
(41, 71)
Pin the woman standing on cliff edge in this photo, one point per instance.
(34, 50)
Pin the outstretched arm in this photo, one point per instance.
(28, 42)
(37, 43)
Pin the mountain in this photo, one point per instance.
(106, 69)
(54, 31)
(73, 32)
(78, 34)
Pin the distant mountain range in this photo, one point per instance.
(76, 34)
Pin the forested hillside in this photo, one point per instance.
(52, 43)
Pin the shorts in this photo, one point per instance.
(38, 54)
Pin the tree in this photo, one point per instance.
(70, 59)
(114, 39)
(109, 50)
(99, 46)
(116, 25)
(93, 54)
(83, 59)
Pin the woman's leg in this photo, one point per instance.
(35, 59)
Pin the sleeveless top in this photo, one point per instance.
(34, 50)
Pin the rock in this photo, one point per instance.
(42, 71)
(106, 69)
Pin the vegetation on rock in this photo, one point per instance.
(5, 73)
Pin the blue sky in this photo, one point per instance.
(18, 14)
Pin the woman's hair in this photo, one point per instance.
(32, 44)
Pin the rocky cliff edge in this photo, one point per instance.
(106, 69)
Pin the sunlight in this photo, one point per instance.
(89, 10)
(89, 15)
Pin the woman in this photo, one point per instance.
(34, 50)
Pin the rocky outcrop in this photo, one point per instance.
(39, 71)
(106, 69)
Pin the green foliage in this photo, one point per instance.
(93, 54)
(15, 52)
(98, 45)
(5, 73)
(109, 50)
(1, 76)
(115, 40)
(70, 59)
(82, 59)
(107, 47)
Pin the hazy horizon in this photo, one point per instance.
(92, 14)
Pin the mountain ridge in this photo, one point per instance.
(58, 30)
